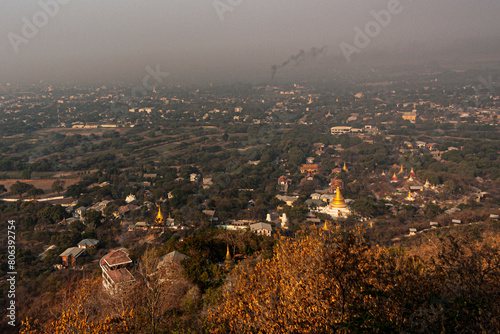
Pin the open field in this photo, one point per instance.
(45, 184)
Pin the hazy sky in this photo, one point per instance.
(106, 40)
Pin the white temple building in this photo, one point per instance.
(130, 198)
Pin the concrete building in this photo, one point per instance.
(262, 228)
(115, 274)
(340, 129)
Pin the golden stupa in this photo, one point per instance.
(228, 262)
(338, 201)
(159, 217)
(410, 196)
(338, 207)
(326, 225)
(345, 168)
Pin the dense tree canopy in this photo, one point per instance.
(326, 282)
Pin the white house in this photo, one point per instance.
(88, 243)
(130, 198)
(262, 228)
(340, 129)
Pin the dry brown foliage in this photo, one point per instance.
(325, 282)
(80, 315)
(156, 292)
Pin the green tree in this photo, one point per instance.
(26, 173)
(53, 213)
(84, 201)
(19, 188)
(77, 226)
(432, 210)
(364, 207)
(35, 192)
(58, 186)
(93, 218)
(76, 190)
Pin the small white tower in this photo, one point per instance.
(130, 198)
(284, 221)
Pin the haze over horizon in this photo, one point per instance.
(104, 41)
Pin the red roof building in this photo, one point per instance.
(309, 168)
(114, 270)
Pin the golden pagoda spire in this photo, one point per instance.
(326, 225)
(394, 178)
(159, 216)
(410, 196)
(345, 168)
(338, 201)
(228, 263)
(401, 170)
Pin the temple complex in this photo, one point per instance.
(337, 207)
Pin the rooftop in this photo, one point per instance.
(121, 275)
(73, 251)
(88, 242)
(261, 226)
(116, 258)
(172, 257)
